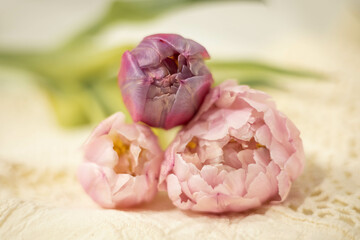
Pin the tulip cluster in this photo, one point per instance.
(235, 151)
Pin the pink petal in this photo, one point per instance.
(206, 203)
(245, 157)
(226, 99)
(237, 118)
(95, 183)
(235, 182)
(181, 168)
(277, 125)
(278, 153)
(263, 136)
(125, 196)
(252, 172)
(231, 158)
(244, 133)
(198, 184)
(186, 191)
(284, 184)
(259, 106)
(173, 187)
(105, 126)
(174, 192)
(239, 204)
(209, 100)
(210, 150)
(272, 171)
(141, 185)
(129, 132)
(121, 180)
(294, 166)
(168, 163)
(101, 151)
(260, 188)
(232, 86)
(262, 156)
(209, 174)
(135, 152)
(222, 120)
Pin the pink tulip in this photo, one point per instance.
(164, 80)
(236, 154)
(122, 163)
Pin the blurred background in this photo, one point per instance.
(59, 59)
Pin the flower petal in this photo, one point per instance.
(100, 151)
(284, 184)
(182, 45)
(95, 183)
(260, 188)
(133, 85)
(190, 94)
(197, 184)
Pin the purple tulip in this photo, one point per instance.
(164, 80)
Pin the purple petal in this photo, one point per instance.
(181, 45)
(189, 97)
(133, 86)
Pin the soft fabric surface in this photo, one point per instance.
(40, 197)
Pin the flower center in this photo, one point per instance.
(124, 163)
(226, 155)
(167, 76)
(173, 64)
(243, 145)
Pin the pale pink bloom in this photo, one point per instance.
(164, 80)
(236, 154)
(121, 163)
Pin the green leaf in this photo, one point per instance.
(258, 74)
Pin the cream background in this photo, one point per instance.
(40, 197)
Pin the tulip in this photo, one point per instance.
(237, 153)
(164, 80)
(121, 163)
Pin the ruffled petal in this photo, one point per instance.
(260, 188)
(198, 184)
(100, 151)
(95, 183)
(189, 97)
(185, 46)
(134, 86)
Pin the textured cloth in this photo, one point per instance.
(40, 197)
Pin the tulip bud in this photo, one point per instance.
(164, 80)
